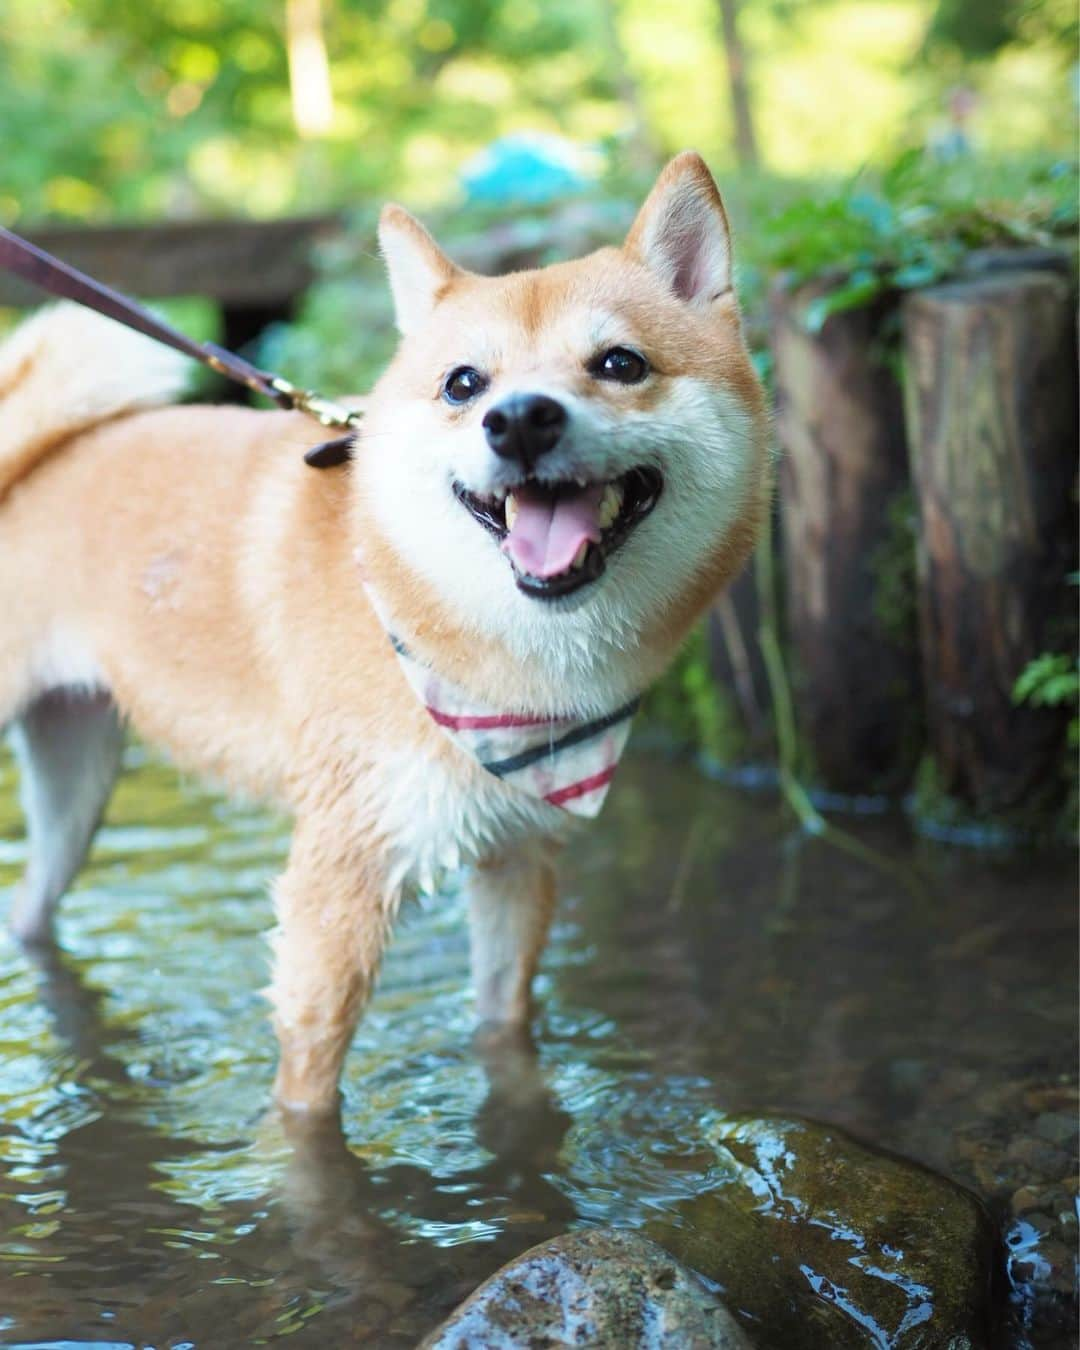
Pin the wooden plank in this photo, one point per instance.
(991, 414)
(235, 262)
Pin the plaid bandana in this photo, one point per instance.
(566, 761)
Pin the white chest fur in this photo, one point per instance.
(439, 814)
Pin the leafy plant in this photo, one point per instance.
(912, 225)
(1052, 680)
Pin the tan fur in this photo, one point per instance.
(211, 582)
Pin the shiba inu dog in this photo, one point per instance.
(429, 657)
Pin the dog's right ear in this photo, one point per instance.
(419, 271)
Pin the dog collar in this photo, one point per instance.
(567, 762)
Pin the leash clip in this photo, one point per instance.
(324, 410)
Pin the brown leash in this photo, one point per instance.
(41, 269)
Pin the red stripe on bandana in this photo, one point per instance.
(580, 789)
(488, 723)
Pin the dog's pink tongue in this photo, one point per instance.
(548, 530)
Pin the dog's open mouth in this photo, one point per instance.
(558, 536)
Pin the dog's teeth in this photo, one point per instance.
(610, 505)
(579, 556)
(511, 510)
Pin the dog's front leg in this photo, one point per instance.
(333, 915)
(511, 902)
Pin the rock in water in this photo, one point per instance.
(824, 1244)
(604, 1288)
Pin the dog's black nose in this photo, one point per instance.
(524, 427)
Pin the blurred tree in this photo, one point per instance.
(643, 153)
(309, 68)
(739, 82)
(182, 107)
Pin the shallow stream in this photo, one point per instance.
(706, 961)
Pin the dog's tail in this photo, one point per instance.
(66, 369)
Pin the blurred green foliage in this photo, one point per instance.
(184, 108)
(983, 29)
(1051, 681)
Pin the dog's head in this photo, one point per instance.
(572, 456)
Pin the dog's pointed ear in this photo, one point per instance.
(681, 233)
(419, 270)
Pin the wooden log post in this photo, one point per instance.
(848, 551)
(991, 415)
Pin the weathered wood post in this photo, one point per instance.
(991, 415)
(849, 557)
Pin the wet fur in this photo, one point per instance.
(181, 569)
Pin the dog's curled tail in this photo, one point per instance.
(66, 369)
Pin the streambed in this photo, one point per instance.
(707, 964)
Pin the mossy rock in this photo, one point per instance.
(820, 1242)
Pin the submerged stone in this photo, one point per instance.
(820, 1242)
(605, 1288)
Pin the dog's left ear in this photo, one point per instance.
(419, 270)
(681, 233)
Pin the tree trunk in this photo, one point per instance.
(643, 154)
(309, 68)
(991, 414)
(849, 555)
(739, 84)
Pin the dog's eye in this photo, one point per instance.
(463, 384)
(621, 364)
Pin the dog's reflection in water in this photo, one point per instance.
(332, 1197)
(328, 1218)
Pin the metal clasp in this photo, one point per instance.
(324, 410)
